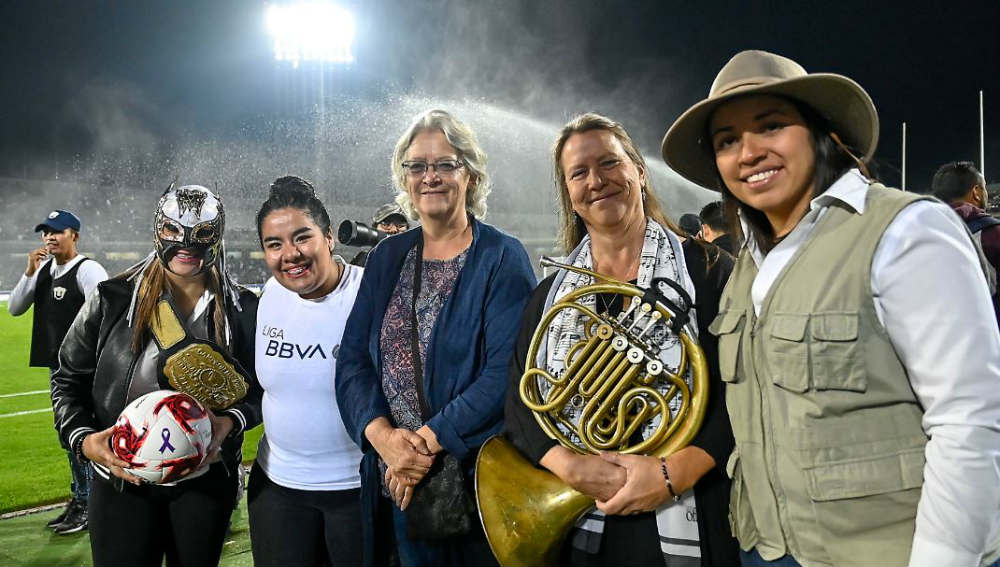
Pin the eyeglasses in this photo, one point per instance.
(443, 167)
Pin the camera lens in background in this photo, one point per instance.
(353, 233)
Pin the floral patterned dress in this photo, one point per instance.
(399, 384)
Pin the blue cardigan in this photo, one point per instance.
(465, 373)
(470, 345)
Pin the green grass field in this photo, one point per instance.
(25, 541)
(34, 470)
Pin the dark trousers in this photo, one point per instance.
(627, 540)
(303, 527)
(469, 550)
(81, 474)
(140, 525)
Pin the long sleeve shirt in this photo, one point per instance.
(931, 296)
(87, 277)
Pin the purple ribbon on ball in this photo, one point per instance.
(165, 435)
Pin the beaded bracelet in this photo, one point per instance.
(666, 477)
(78, 449)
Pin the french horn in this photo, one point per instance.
(614, 394)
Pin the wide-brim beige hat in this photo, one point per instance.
(841, 101)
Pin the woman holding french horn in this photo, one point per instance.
(613, 228)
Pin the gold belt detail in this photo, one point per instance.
(198, 368)
(201, 371)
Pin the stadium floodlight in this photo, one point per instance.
(311, 31)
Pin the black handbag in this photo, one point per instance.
(441, 506)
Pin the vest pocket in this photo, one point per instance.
(869, 503)
(787, 352)
(836, 352)
(866, 476)
(727, 326)
(741, 522)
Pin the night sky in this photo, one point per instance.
(74, 70)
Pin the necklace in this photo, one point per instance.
(629, 273)
(340, 274)
(602, 299)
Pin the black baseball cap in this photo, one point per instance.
(59, 220)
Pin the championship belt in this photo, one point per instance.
(194, 366)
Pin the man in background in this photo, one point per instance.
(57, 281)
(993, 208)
(691, 224)
(388, 218)
(961, 185)
(713, 227)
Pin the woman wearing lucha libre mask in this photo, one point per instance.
(114, 353)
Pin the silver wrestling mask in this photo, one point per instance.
(190, 217)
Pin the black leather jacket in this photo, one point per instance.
(96, 365)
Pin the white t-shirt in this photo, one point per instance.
(305, 445)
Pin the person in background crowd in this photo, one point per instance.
(651, 512)
(993, 207)
(56, 282)
(390, 219)
(855, 334)
(961, 185)
(422, 368)
(110, 358)
(690, 224)
(713, 227)
(304, 497)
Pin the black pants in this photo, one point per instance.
(140, 525)
(303, 527)
(81, 474)
(627, 540)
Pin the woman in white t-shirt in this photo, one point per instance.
(304, 495)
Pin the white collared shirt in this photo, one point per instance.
(87, 277)
(931, 296)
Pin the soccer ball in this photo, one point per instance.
(164, 435)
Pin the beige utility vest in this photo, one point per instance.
(829, 451)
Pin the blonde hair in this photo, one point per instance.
(572, 228)
(466, 145)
